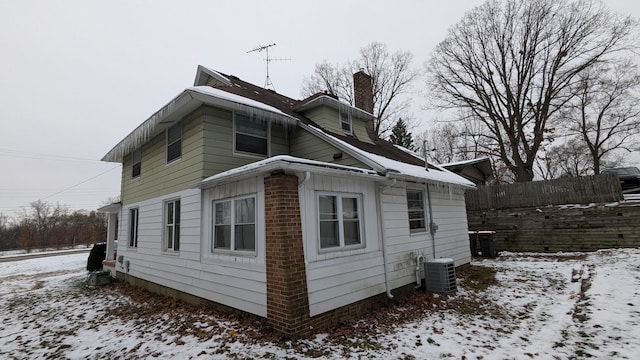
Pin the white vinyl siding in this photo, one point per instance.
(338, 278)
(239, 282)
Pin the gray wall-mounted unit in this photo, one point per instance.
(440, 276)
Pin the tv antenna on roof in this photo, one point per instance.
(268, 59)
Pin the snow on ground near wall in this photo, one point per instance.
(535, 311)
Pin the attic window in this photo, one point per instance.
(251, 135)
(345, 122)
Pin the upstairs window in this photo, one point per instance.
(415, 205)
(345, 122)
(172, 225)
(234, 227)
(136, 163)
(251, 135)
(174, 142)
(339, 219)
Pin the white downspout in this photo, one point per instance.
(418, 277)
(382, 237)
(432, 226)
(307, 176)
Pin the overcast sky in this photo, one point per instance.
(77, 76)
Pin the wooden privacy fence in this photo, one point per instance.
(583, 190)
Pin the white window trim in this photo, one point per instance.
(232, 251)
(166, 144)
(349, 121)
(361, 227)
(136, 230)
(133, 163)
(165, 245)
(424, 211)
(248, 154)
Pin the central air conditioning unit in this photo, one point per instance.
(440, 276)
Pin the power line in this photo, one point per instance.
(80, 183)
(42, 156)
(17, 209)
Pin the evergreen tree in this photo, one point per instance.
(400, 135)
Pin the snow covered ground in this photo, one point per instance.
(562, 306)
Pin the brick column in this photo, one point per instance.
(287, 298)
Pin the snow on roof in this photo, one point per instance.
(466, 162)
(399, 168)
(221, 94)
(187, 101)
(439, 174)
(283, 161)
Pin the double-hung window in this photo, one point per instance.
(174, 142)
(133, 227)
(136, 163)
(340, 222)
(415, 206)
(345, 122)
(234, 224)
(172, 225)
(251, 135)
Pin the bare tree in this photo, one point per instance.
(569, 159)
(391, 75)
(512, 64)
(605, 113)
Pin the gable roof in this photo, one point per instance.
(215, 88)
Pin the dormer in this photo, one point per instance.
(341, 118)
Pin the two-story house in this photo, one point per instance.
(286, 209)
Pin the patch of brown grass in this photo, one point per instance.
(477, 278)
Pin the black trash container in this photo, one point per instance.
(487, 243)
(473, 243)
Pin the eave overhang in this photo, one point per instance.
(182, 105)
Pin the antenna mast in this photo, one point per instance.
(260, 48)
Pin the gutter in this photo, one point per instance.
(287, 165)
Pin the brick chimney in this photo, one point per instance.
(363, 91)
(363, 96)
